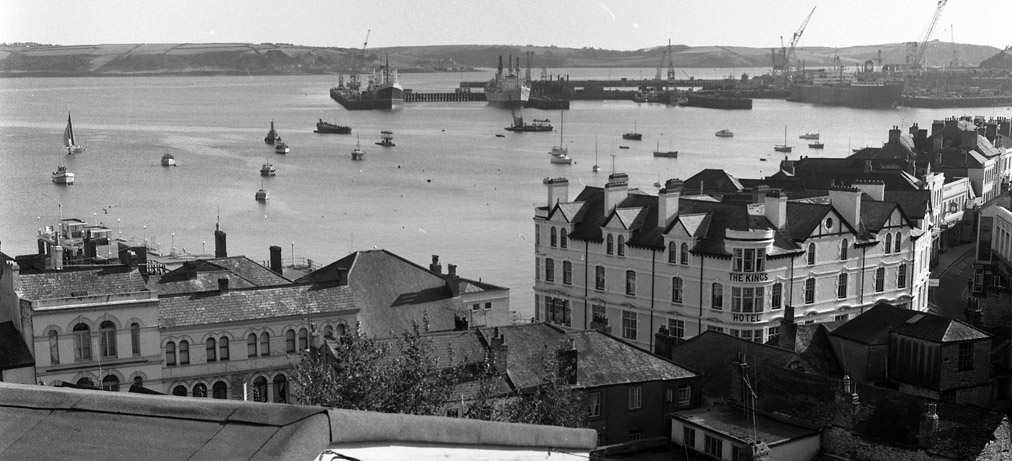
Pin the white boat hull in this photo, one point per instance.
(515, 96)
(63, 178)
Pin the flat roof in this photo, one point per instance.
(733, 423)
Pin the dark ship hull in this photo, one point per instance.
(386, 97)
(716, 101)
(866, 96)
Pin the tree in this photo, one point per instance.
(552, 402)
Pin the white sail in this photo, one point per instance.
(68, 134)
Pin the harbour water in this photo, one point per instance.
(450, 186)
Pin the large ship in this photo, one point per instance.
(507, 90)
(860, 90)
(383, 91)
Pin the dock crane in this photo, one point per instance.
(791, 57)
(915, 51)
(366, 40)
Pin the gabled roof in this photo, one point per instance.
(74, 283)
(714, 354)
(915, 204)
(213, 307)
(601, 359)
(392, 292)
(713, 180)
(875, 214)
(936, 328)
(804, 217)
(873, 326)
(203, 275)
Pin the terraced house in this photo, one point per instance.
(616, 258)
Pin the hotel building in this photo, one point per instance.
(617, 258)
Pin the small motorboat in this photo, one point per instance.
(623, 147)
(724, 134)
(500, 135)
(357, 153)
(168, 160)
(809, 135)
(634, 135)
(280, 147)
(816, 145)
(262, 195)
(62, 176)
(268, 170)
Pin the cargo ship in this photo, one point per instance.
(717, 100)
(383, 91)
(849, 91)
(507, 90)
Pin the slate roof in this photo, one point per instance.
(73, 283)
(203, 275)
(213, 307)
(874, 326)
(915, 204)
(601, 359)
(14, 352)
(713, 180)
(392, 292)
(39, 422)
(936, 328)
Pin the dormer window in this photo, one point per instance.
(621, 245)
(553, 237)
(563, 238)
(684, 254)
(843, 250)
(749, 260)
(889, 243)
(610, 246)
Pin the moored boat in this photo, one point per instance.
(386, 139)
(168, 160)
(816, 145)
(280, 147)
(357, 153)
(809, 135)
(725, 133)
(560, 154)
(633, 135)
(665, 153)
(519, 125)
(325, 127)
(272, 135)
(62, 176)
(268, 169)
(783, 147)
(507, 90)
(262, 195)
(858, 90)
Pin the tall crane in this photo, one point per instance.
(797, 37)
(916, 56)
(366, 40)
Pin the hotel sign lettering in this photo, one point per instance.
(749, 277)
(750, 318)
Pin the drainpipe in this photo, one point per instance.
(864, 252)
(586, 283)
(699, 326)
(790, 293)
(653, 284)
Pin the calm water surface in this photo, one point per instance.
(450, 187)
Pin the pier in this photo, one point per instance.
(459, 96)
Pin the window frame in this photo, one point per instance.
(676, 289)
(594, 404)
(809, 290)
(717, 296)
(550, 270)
(621, 245)
(844, 244)
(630, 282)
(303, 339)
(223, 355)
(290, 341)
(965, 356)
(135, 339)
(184, 352)
(713, 446)
(265, 344)
(841, 285)
(82, 343)
(553, 237)
(683, 254)
(635, 398)
(567, 273)
(563, 238)
(599, 278)
(211, 350)
(54, 346)
(610, 244)
(901, 276)
(776, 296)
(880, 280)
(630, 325)
(811, 254)
(170, 353)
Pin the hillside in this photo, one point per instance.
(285, 59)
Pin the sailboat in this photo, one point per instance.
(783, 147)
(635, 135)
(668, 153)
(357, 153)
(262, 195)
(560, 154)
(596, 167)
(68, 138)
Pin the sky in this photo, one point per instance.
(607, 24)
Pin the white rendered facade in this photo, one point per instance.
(692, 277)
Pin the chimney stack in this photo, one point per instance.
(435, 267)
(667, 202)
(452, 281)
(615, 191)
(498, 351)
(558, 191)
(873, 187)
(220, 250)
(969, 140)
(913, 130)
(894, 134)
(788, 329)
(275, 259)
(847, 201)
(776, 208)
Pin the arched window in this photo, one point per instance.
(599, 277)
(179, 390)
(54, 347)
(107, 339)
(809, 291)
(843, 249)
(880, 276)
(549, 270)
(135, 338)
(184, 352)
(280, 389)
(889, 243)
(290, 341)
(717, 296)
(676, 289)
(260, 389)
(110, 383)
(219, 390)
(341, 330)
(684, 253)
(563, 238)
(223, 348)
(630, 283)
(170, 354)
(328, 332)
(901, 276)
(621, 245)
(86, 382)
(672, 252)
(200, 390)
(899, 238)
(212, 350)
(567, 272)
(841, 286)
(138, 381)
(265, 344)
(82, 342)
(303, 339)
(553, 236)
(610, 245)
(251, 345)
(811, 254)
